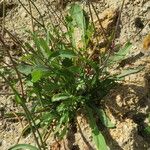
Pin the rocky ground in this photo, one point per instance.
(125, 105)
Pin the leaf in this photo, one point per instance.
(23, 147)
(75, 69)
(67, 54)
(89, 33)
(36, 75)
(41, 45)
(96, 134)
(104, 119)
(25, 69)
(128, 72)
(67, 62)
(120, 55)
(146, 131)
(53, 55)
(77, 14)
(63, 54)
(61, 96)
(38, 72)
(77, 23)
(45, 47)
(48, 117)
(27, 129)
(63, 120)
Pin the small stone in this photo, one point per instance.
(23, 14)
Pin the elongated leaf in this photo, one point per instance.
(23, 147)
(36, 75)
(146, 130)
(63, 54)
(60, 96)
(38, 72)
(63, 120)
(120, 55)
(25, 69)
(96, 134)
(67, 54)
(78, 15)
(41, 45)
(129, 71)
(77, 24)
(45, 47)
(104, 119)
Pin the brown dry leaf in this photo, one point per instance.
(56, 146)
(146, 42)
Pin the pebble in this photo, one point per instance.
(23, 14)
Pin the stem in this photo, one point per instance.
(38, 12)
(117, 24)
(14, 66)
(42, 25)
(25, 110)
(3, 23)
(30, 9)
(102, 29)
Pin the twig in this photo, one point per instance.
(28, 115)
(38, 12)
(16, 40)
(30, 9)
(15, 114)
(118, 19)
(42, 25)
(14, 65)
(3, 24)
(102, 29)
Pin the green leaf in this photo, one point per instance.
(104, 119)
(45, 47)
(62, 53)
(41, 45)
(96, 134)
(23, 147)
(67, 54)
(48, 117)
(77, 22)
(75, 69)
(36, 75)
(39, 72)
(25, 69)
(63, 120)
(146, 130)
(120, 55)
(129, 71)
(67, 62)
(53, 55)
(61, 96)
(77, 14)
(89, 33)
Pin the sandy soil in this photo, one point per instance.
(126, 105)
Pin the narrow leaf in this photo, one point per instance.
(67, 54)
(45, 47)
(120, 55)
(104, 119)
(60, 96)
(129, 72)
(25, 69)
(97, 135)
(23, 147)
(36, 75)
